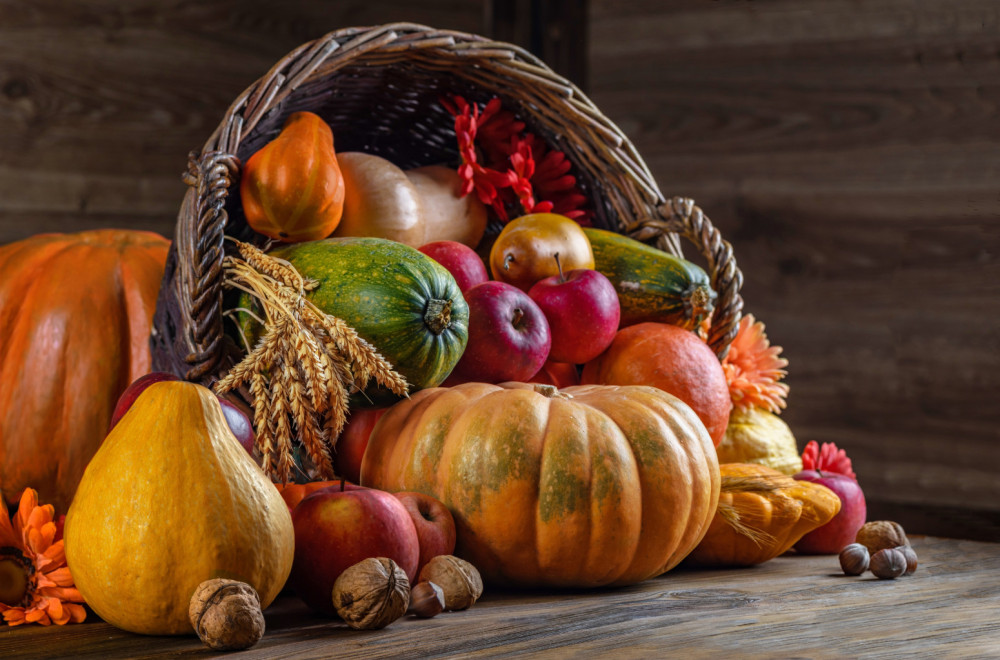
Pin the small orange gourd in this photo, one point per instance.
(580, 487)
(762, 513)
(292, 189)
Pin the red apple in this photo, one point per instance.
(582, 309)
(460, 260)
(434, 523)
(335, 529)
(560, 374)
(353, 441)
(508, 336)
(831, 538)
(237, 420)
(238, 423)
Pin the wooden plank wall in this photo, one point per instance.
(850, 151)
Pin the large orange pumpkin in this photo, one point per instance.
(581, 487)
(75, 315)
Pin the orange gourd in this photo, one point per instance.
(762, 513)
(672, 359)
(75, 315)
(292, 189)
(581, 487)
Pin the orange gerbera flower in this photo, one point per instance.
(35, 583)
(753, 369)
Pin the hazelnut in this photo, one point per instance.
(911, 558)
(426, 600)
(880, 534)
(854, 559)
(371, 594)
(888, 563)
(460, 581)
(226, 615)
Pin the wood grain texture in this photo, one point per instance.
(851, 153)
(100, 101)
(789, 607)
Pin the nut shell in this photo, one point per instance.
(911, 558)
(426, 600)
(460, 580)
(881, 534)
(371, 594)
(226, 615)
(888, 564)
(854, 559)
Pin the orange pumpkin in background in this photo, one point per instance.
(75, 316)
(672, 359)
(292, 189)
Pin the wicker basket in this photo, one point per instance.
(379, 89)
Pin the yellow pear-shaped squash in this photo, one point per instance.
(172, 499)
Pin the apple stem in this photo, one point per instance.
(518, 315)
(343, 484)
(506, 261)
(562, 278)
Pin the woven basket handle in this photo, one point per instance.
(199, 293)
(682, 216)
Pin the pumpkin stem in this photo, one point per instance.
(550, 391)
(437, 315)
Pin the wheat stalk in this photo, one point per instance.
(301, 371)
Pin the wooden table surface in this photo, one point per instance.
(801, 607)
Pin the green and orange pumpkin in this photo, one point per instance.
(580, 487)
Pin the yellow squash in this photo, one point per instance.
(172, 499)
(762, 513)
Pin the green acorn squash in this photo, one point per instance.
(399, 300)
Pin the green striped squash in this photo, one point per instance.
(399, 300)
(652, 285)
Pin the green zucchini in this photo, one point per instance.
(399, 300)
(652, 285)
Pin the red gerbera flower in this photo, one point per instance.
(520, 168)
(827, 459)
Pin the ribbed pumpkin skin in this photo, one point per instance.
(170, 500)
(612, 486)
(292, 188)
(785, 511)
(382, 289)
(75, 316)
(652, 285)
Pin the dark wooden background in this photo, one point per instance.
(849, 149)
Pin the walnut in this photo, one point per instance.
(226, 614)
(458, 578)
(371, 594)
(881, 534)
